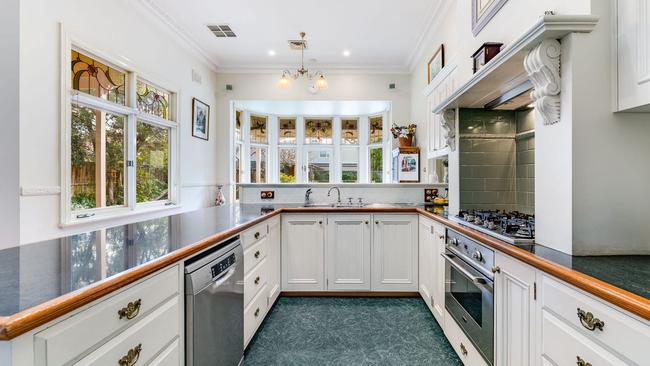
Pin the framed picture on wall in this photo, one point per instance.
(483, 11)
(408, 166)
(436, 63)
(200, 119)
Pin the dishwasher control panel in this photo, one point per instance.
(222, 266)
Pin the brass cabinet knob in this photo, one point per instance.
(131, 310)
(366, 222)
(257, 312)
(441, 237)
(257, 235)
(257, 254)
(496, 269)
(463, 350)
(590, 322)
(376, 222)
(131, 357)
(257, 280)
(581, 362)
(320, 223)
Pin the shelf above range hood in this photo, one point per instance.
(504, 75)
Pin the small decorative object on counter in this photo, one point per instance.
(221, 199)
(484, 54)
(405, 134)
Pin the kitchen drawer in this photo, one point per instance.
(170, 356)
(71, 337)
(621, 333)
(254, 314)
(562, 345)
(151, 334)
(254, 234)
(254, 281)
(255, 254)
(461, 344)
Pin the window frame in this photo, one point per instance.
(335, 148)
(70, 96)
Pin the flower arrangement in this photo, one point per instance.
(403, 131)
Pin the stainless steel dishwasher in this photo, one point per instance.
(214, 306)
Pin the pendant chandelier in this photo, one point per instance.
(321, 82)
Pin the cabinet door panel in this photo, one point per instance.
(514, 296)
(395, 253)
(425, 259)
(438, 273)
(303, 253)
(273, 259)
(348, 245)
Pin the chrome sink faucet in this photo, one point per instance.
(307, 194)
(338, 191)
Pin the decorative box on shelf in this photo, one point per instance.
(484, 54)
(406, 165)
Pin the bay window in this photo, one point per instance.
(120, 138)
(308, 149)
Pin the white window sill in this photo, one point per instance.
(120, 213)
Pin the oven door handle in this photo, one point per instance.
(479, 280)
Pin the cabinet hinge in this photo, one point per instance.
(534, 290)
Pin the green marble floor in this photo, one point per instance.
(350, 331)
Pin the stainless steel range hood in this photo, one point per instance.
(514, 99)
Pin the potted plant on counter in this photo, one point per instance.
(405, 134)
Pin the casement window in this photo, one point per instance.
(303, 149)
(120, 136)
(376, 149)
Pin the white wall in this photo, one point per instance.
(342, 86)
(9, 142)
(610, 153)
(130, 36)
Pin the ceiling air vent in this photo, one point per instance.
(222, 31)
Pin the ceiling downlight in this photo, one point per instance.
(222, 31)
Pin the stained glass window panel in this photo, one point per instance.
(287, 131)
(350, 132)
(259, 131)
(152, 100)
(94, 77)
(152, 165)
(318, 131)
(376, 130)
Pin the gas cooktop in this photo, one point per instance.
(513, 227)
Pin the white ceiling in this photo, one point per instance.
(380, 34)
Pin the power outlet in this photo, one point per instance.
(267, 195)
(430, 194)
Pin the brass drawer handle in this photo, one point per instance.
(581, 362)
(589, 321)
(257, 312)
(257, 235)
(257, 280)
(257, 254)
(463, 350)
(131, 310)
(131, 357)
(496, 269)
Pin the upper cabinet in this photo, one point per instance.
(438, 90)
(633, 55)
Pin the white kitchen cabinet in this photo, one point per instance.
(515, 312)
(426, 252)
(395, 252)
(348, 252)
(303, 252)
(633, 55)
(440, 88)
(274, 267)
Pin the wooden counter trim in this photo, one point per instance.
(26, 320)
(624, 299)
(29, 319)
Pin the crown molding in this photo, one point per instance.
(425, 37)
(153, 9)
(329, 69)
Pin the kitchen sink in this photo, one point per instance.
(332, 205)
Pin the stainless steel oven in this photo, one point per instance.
(469, 290)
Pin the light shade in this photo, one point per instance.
(321, 83)
(283, 83)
